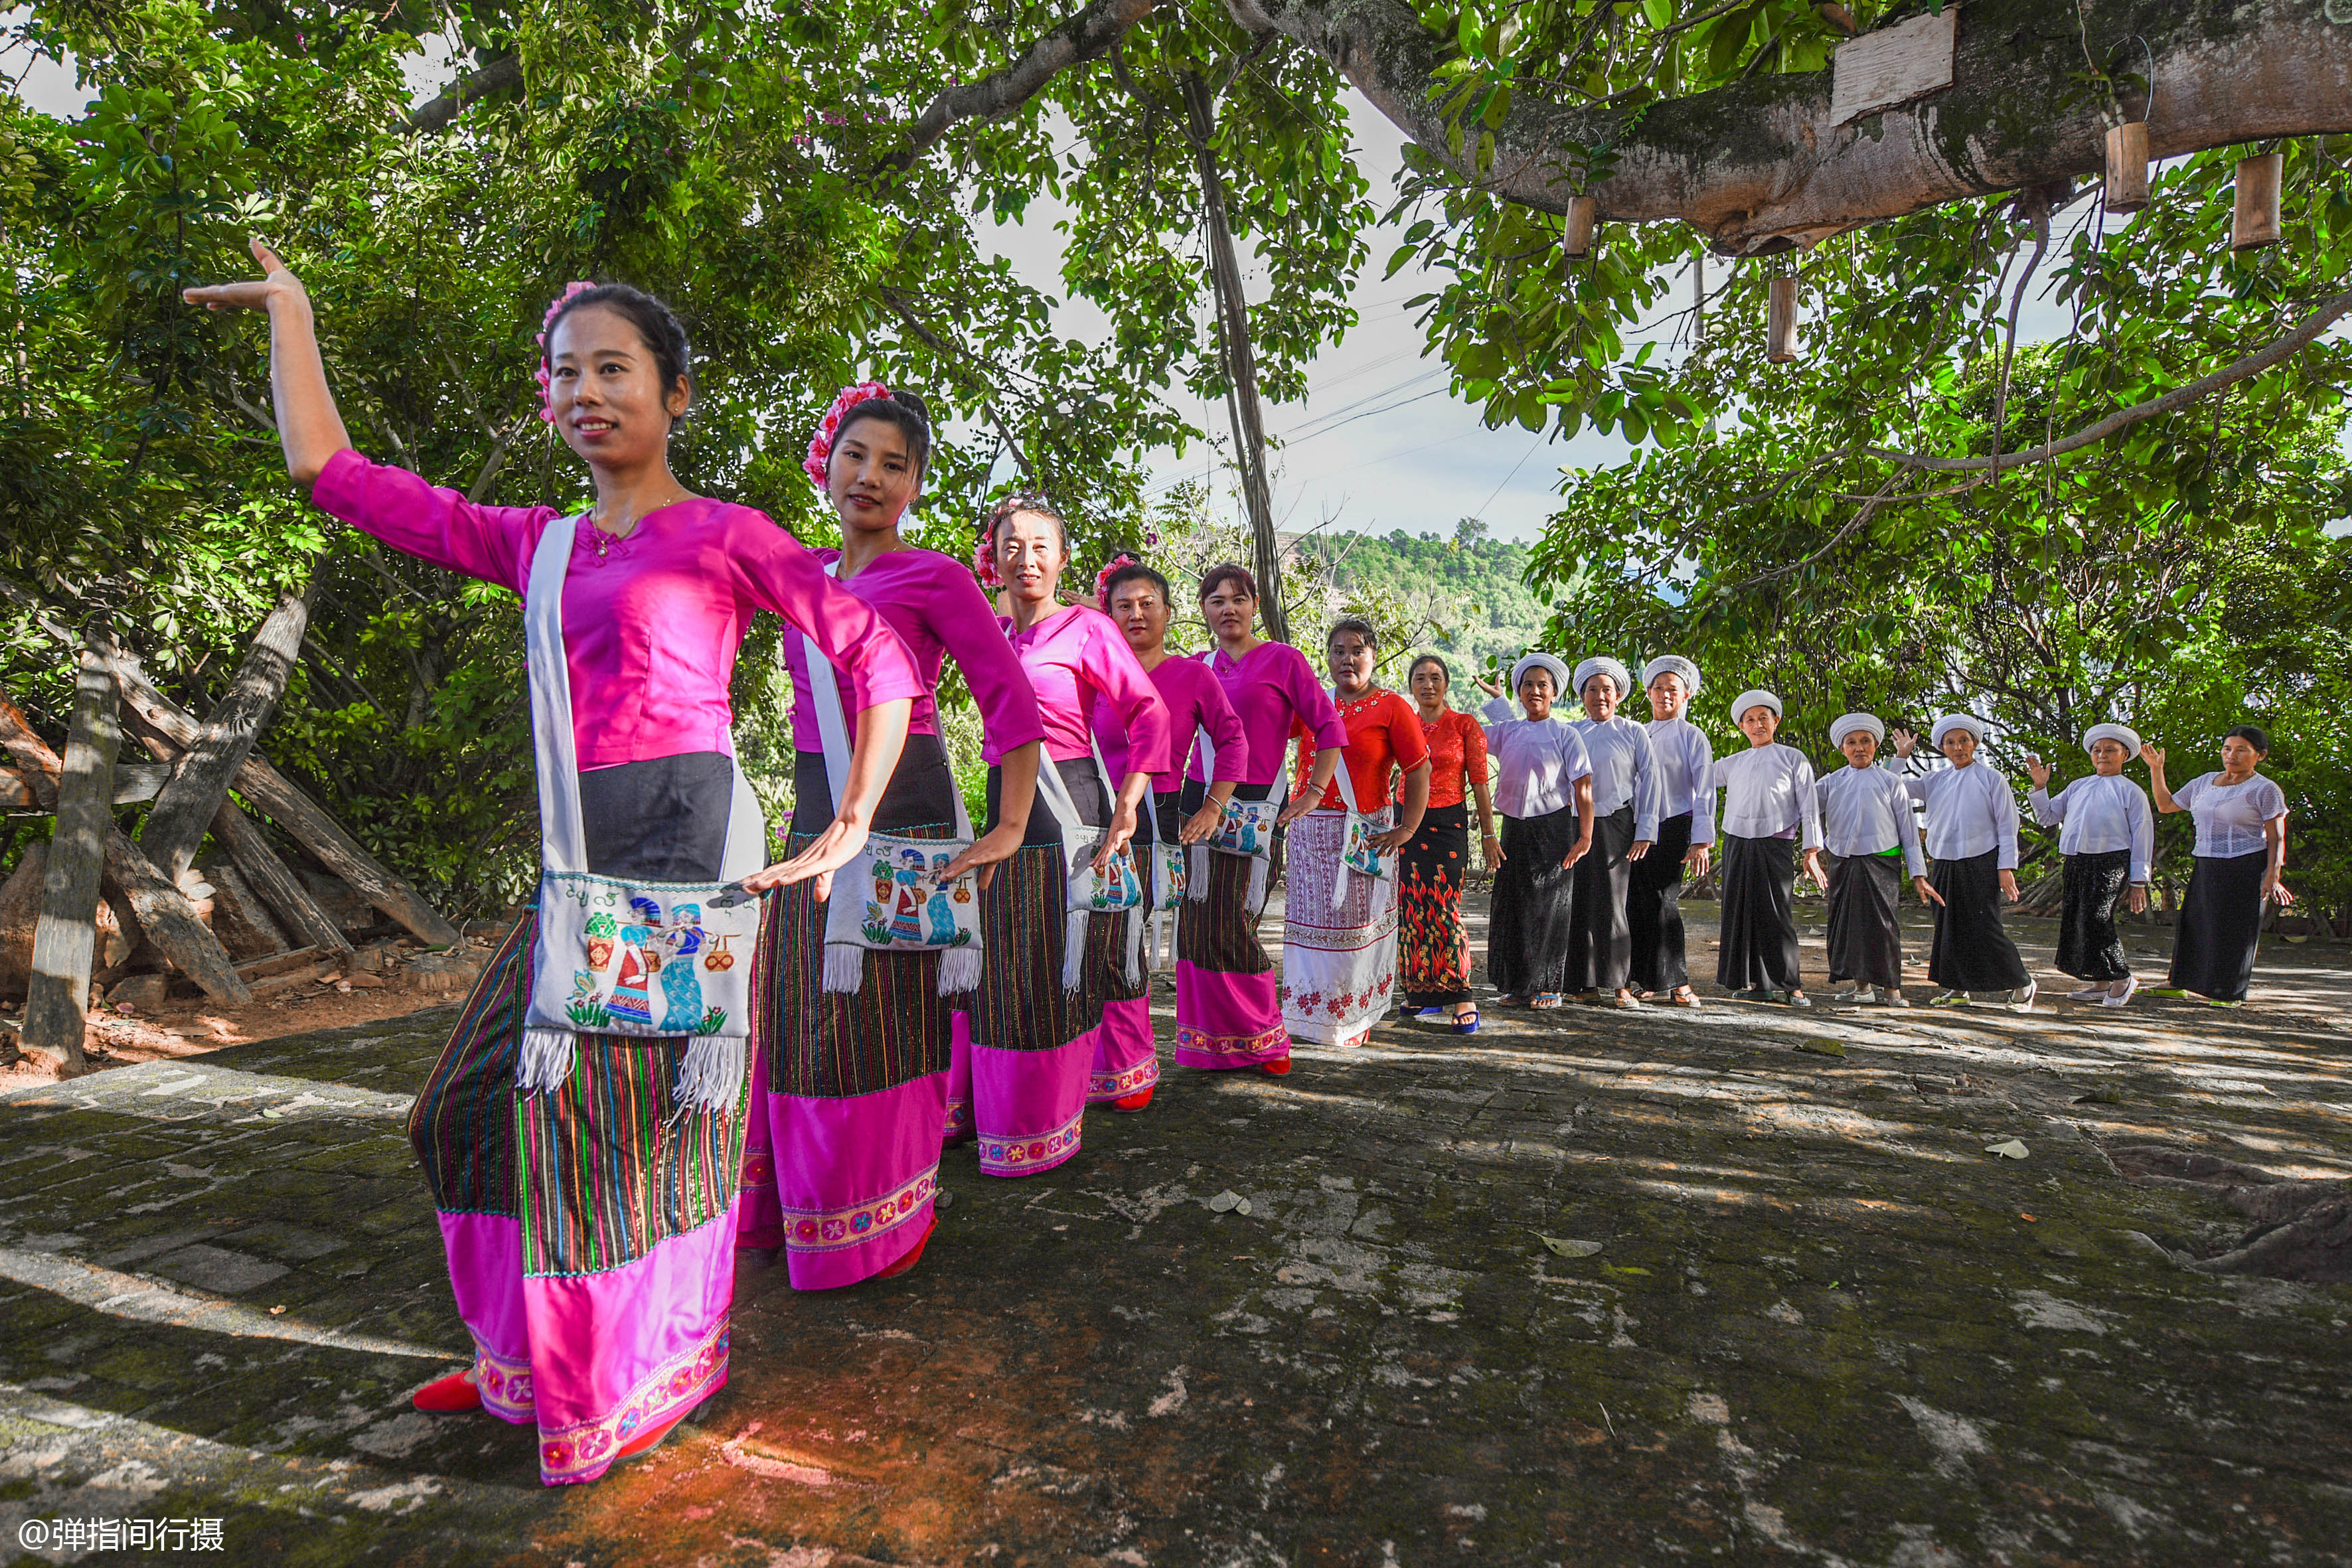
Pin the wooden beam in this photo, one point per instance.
(175, 828)
(134, 781)
(56, 1003)
(309, 822)
(275, 882)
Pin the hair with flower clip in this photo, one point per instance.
(1102, 578)
(984, 548)
(546, 324)
(820, 446)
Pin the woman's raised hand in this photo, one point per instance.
(1904, 740)
(1492, 685)
(2039, 769)
(2153, 755)
(255, 294)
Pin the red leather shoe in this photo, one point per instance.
(1136, 1102)
(448, 1396)
(912, 1257)
(1275, 1070)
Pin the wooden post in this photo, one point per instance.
(1577, 225)
(1781, 322)
(2255, 221)
(176, 827)
(306, 923)
(2126, 167)
(56, 1003)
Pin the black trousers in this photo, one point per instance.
(1654, 910)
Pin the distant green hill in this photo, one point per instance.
(1465, 596)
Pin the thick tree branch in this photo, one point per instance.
(1088, 36)
(498, 75)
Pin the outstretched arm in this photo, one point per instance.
(308, 425)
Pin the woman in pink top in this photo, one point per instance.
(592, 1253)
(1127, 1060)
(1228, 1007)
(841, 1159)
(1028, 1038)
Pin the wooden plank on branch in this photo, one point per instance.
(276, 882)
(297, 813)
(134, 781)
(57, 1002)
(149, 897)
(175, 828)
(1894, 65)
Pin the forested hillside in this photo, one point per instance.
(1461, 594)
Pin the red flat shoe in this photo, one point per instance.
(912, 1257)
(1275, 1070)
(448, 1396)
(647, 1438)
(1136, 1102)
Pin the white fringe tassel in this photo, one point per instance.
(1256, 903)
(844, 967)
(1196, 880)
(960, 970)
(1073, 950)
(547, 1059)
(711, 1075)
(1158, 947)
(1135, 919)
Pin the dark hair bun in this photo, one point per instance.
(913, 400)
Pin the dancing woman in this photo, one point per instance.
(1433, 951)
(1136, 597)
(841, 1158)
(1654, 899)
(1870, 837)
(1768, 802)
(589, 1224)
(1972, 839)
(1543, 786)
(2107, 836)
(1626, 797)
(2240, 855)
(1032, 1024)
(1228, 1010)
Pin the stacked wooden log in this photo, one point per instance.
(91, 905)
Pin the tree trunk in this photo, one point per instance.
(306, 924)
(56, 1001)
(176, 827)
(1240, 361)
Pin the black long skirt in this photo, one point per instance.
(1654, 910)
(2220, 927)
(1972, 950)
(1599, 943)
(1433, 951)
(2089, 946)
(1528, 925)
(1865, 943)
(1759, 915)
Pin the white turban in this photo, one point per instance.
(1672, 664)
(2123, 732)
(1755, 696)
(1845, 724)
(1951, 721)
(1601, 664)
(1559, 668)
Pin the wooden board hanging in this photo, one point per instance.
(1584, 215)
(2254, 222)
(2126, 167)
(1781, 322)
(1892, 66)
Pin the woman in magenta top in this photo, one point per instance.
(596, 1316)
(1228, 1011)
(1031, 1033)
(841, 1159)
(1127, 1060)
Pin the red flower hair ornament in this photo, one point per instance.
(820, 446)
(540, 375)
(1102, 578)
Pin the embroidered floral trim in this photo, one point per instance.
(1338, 1003)
(505, 1384)
(1120, 1085)
(959, 1124)
(828, 1230)
(1001, 1156)
(582, 1452)
(1200, 1042)
(758, 1171)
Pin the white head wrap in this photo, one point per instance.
(1601, 664)
(1845, 724)
(1559, 668)
(1672, 664)
(2123, 732)
(1951, 721)
(1756, 696)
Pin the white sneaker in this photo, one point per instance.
(1887, 998)
(2089, 994)
(1851, 996)
(2114, 999)
(2023, 1003)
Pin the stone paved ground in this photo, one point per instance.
(1821, 1327)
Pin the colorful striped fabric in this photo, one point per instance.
(462, 1126)
(1021, 1005)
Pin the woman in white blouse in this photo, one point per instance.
(1972, 839)
(2107, 834)
(1872, 834)
(1626, 798)
(1543, 787)
(2240, 855)
(1768, 801)
(1653, 908)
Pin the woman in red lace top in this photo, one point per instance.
(1433, 950)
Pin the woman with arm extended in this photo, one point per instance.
(1433, 950)
(2106, 834)
(1653, 902)
(841, 1161)
(1030, 1028)
(1770, 812)
(1543, 786)
(597, 1315)
(1338, 926)
(1228, 1002)
(1870, 837)
(1136, 597)
(2240, 819)
(1971, 837)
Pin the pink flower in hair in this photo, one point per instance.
(983, 558)
(541, 375)
(1102, 578)
(820, 446)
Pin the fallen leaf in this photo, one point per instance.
(1224, 1202)
(1624, 1269)
(1570, 1248)
(2012, 1149)
(1821, 1047)
(2028, 1219)
(277, 1311)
